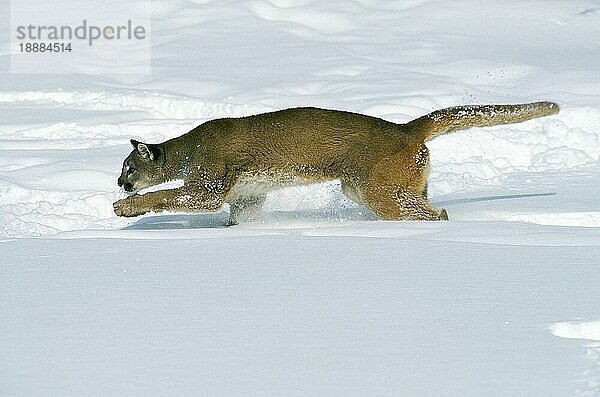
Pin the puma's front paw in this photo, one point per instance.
(127, 207)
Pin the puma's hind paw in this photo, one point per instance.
(443, 215)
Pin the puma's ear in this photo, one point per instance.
(145, 151)
(148, 151)
(134, 143)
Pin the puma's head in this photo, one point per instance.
(143, 167)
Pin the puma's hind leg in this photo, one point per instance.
(399, 204)
(245, 209)
(396, 188)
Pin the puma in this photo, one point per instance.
(380, 164)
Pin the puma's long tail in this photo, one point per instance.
(461, 117)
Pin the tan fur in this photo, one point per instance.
(380, 164)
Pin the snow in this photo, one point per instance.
(316, 297)
(326, 314)
(586, 330)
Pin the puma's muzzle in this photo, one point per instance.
(128, 187)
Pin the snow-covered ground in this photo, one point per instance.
(317, 298)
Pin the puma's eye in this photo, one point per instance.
(131, 170)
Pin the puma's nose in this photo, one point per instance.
(119, 182)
